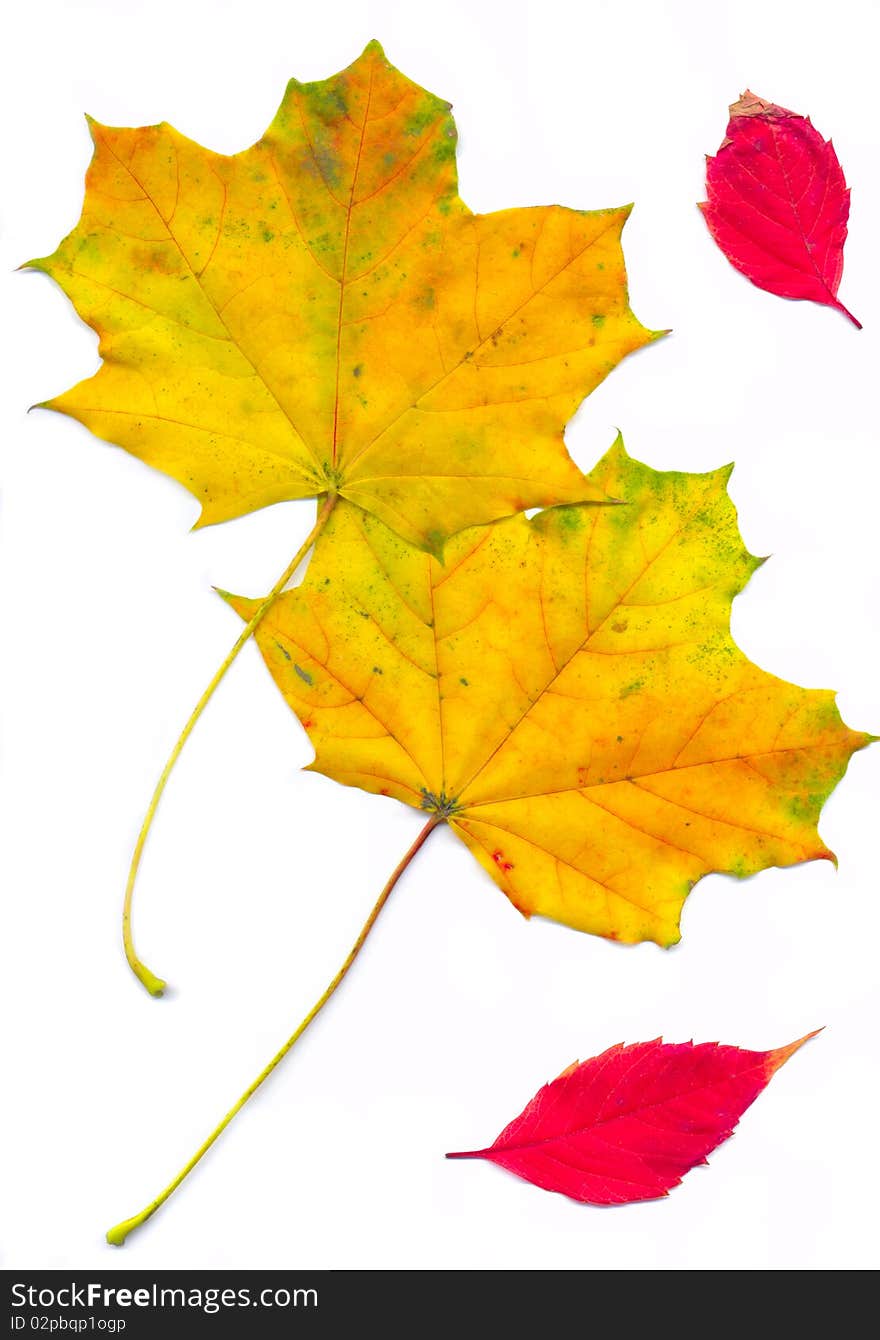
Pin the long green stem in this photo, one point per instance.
(120, 1232)
(154, 984)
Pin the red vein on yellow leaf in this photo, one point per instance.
(466, 823)
(199, 273)
(339, 707)
(478, 245)
(295, 466)
(702, 719)
(426, 140)
(358, 697)
(394, 645)
(387, 575)
(316, 618)
(757, 771)
(469, 353)
(542, 223)
(451, 571)
(516, 679)
(488, 603)
(197, 276)
(543, 608)
(481, 404)
(367, 317)
(311, 147)
(710, 818)
(365, 274)
(436, 646)
(424, 474)
(787, 720)
(636, 651)
(394, 511)
(492, 365)
(334, 451)
(621, 818)
(120, 200)
(587, 556)
(163, 316)
(354, 773)
(583, 646)
(670, 600)
(657, 772)
(259, 279)
(136, 237)
(176, 188)
(296, 222)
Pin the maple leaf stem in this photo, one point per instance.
(117, 1235)
(155, 985)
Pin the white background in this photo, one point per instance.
(258, 876)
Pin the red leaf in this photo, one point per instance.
(630, 1123)
(778, 203)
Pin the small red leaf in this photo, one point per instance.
(627, 1125)
(778, 203)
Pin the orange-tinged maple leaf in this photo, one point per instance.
(566, 693)
(322, 314)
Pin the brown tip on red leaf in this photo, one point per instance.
(779, 1056)
(569, 1070)
(749, 104)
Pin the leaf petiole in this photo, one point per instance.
(117, 1235)
(154, 984)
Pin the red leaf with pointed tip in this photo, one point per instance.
(778, 203)
(627, 1125)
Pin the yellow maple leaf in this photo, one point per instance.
(322, 314)
(566, 693)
